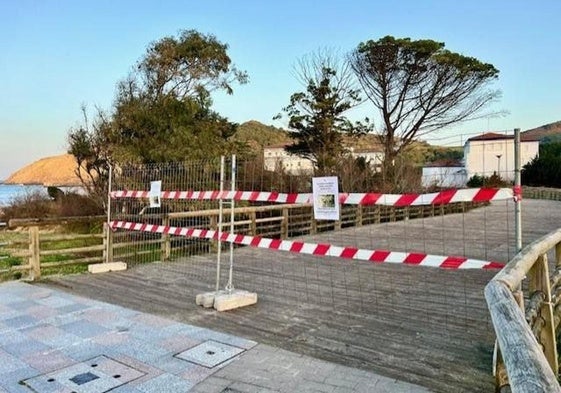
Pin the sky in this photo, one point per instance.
(56, 56)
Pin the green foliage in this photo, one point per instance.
(168, 129)
(190, 65)
(316, 117)
(476, 181)
(420, 153)
(492, 181)
(257, 135)
(419, 87)
(544, 170)
(162, 111)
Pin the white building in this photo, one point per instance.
(277, 157)
(372, 156)
(491, 153)
(445, 174)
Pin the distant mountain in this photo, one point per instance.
(551, 131)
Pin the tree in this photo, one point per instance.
(419, 87)
(89, 146)
(316, 117)
(163, 110)
(544, 170)
(192, 65)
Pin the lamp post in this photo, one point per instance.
(499, 164)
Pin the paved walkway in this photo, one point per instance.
(51, 341)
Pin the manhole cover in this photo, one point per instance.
(210, 353)
(97, 375)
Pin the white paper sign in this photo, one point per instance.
(326, 198)
(155, 192)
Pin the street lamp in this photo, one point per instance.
(499, 164)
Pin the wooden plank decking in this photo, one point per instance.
(423, 325)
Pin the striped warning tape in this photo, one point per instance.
(378, 256)
(399, 200)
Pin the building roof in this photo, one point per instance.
(493, 136)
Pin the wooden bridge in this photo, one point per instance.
(422, 325)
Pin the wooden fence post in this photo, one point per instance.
(313, 224)
(108, 243)
(358, 217)
(166, 244)
(214, 227)
(337, 224)
(284, 223)
(253, 223)
(34, 249)
(558, 255)
(539, 281)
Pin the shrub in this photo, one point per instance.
(39, 205)
(71, 205)
(492, 181)
(31, 205)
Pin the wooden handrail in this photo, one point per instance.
(531, 366)
(34, 222)
(519, 266)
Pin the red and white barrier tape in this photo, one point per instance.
(379, 256)
(399, 200)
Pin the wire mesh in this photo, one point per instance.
(138, 248)
(448, 300)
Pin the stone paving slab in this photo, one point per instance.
(47, 336)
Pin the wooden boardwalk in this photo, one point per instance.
(422, 325)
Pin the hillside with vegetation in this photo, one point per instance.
(258, 135)
(546, 133)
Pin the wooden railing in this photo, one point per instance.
(275, 221)
(527, 335)
(39, 246)
(552, 194)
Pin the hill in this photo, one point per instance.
(258, 135)
(57, 171)
(551, 131)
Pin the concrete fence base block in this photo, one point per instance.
(205, 299)
(237, 298)
(107, 267)
(225, 300)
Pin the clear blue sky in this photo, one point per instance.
(57, 55)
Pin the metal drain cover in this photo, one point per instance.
(97, 375)
(210, 353)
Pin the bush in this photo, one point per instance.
(71, 205)
(493, 181)
(39, 205)
(543, 171)
(31, 205)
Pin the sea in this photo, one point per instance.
(11, 192)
